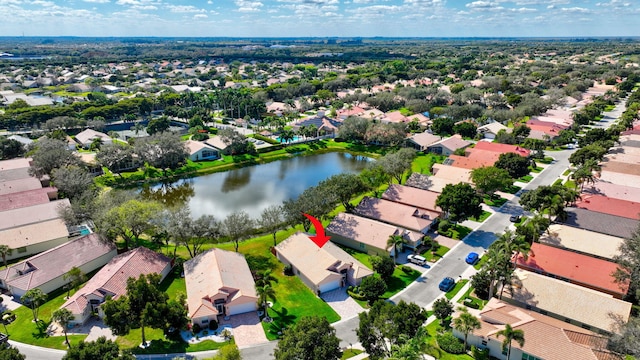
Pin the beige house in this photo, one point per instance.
(218, 283)
(545, 337)
(448, 145)
(199, 151)
(405, 216)
(34, 238)
(31, 214)
(452, 174)
(86, 137)
(422, 141)
(412, 196)
(581, 240)
(111, 280)
(426, 182)
(323, 268)
(368, 236)
(571, 303)
(46, 270)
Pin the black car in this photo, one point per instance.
(447, 284)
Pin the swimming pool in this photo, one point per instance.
(295, 138)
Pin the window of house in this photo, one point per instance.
(205, 321)
(362, 246)
(298, 272)
(526, 356)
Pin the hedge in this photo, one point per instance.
(450, 343)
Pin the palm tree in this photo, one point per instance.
(75, 277)
(396, 242)
(34, 298)
(265, 292)
(466, 323)
(63, 317)
(265, 277)
(510, 335)
(497, 260)
(5, 251)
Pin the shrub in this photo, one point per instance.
(450, 343)
(199, 136)
(196, 328)
(288, 270)
(213, 325)
(445, 225)
(480, 354)
(405, 269)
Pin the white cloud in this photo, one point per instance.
(576, 9)
(97, 1)
(200, 16)
(481, 5)
(249, 6)
(184, 9)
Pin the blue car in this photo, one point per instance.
(447, 284)
(472, 258)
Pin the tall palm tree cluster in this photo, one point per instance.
(264, 289)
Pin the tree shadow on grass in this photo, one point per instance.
(41, 330)
(281, 320)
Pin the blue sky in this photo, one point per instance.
(293, 18)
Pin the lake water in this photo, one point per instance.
(254, 188)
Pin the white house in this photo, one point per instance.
(218, 283)
(86, 137)
(201, 151)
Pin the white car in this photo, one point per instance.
(417, 259)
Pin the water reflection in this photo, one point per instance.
(254, 188)
(169, 194)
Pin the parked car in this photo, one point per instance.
(472, 258)
(514, 218)
(416, 259)
(447, 284)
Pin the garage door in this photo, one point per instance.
(241, 308)
(329, 286)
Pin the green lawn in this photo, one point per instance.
(423, 162)
(480, 262)
(570, 184)
(24, 330)
(399, 281)
(512, 189)
(451, 293)
(433, 329)
(483, 216)
(526, 178)
(349, 353)
(536, 169)
(428, 254)
(496, 201)
(478, 302)
(566, 172)
(457, 232)
(162, 345)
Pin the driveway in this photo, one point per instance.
(247, 330)
(342, 303)
(93, 328)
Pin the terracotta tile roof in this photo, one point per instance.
(612, 206)
(545, 337)
(319, 264)
(581, 240)
(501, 148)
(112, 278)
(31, 234)
(567, 300)
(395, 117)
(427, 182)
(576, 268)
(612, 190)
(467, 162)
(27, 198)
(600, 222)
(412, 196)
(478, 154)
(620, 167)
(31, 214)
(371, 232)
(405, 216)
(19, 185)
(13, 164)
(454, 174)
(217, 274)
(54, 263)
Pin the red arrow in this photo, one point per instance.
(320, 238)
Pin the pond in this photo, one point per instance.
(254, 188)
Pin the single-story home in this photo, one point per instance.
(405, 216)
(412, 196)
(582, 241)
(603, 223)
(199, 150)
(26, 198)
(322, 269)
(612, 190)
(545, 337)
(368, 236)
(111, 281)
(579, 269)
(422, 141)
(218, 283)
(14, 169)
(621, 173)
(470, 163)
(31, 214)
(86, 137)
(21, 139)
(34, 238)
(46, 270)
(571, 303)
(453, 174)
(448, 145)
(217, 143)
(611, 206)
(490, 130)
(502, 148)
(426, 182)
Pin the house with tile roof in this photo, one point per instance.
(599, 222)
(390, 212)
(545, 337)
(502, 148)
(469, 163)
(490, 130)
(612, 190)
(218, 283)
(575, 268)
(448, 145)
(621, 173)
(31, 214)
(15, 169)
(322, 269)
(367, 235)
(199, 151)
(111, 281)
(611, 206)
(571, 303)
(27, 198)
(86, 137)
(46, 270)
(412, 196)
(582, 241)
(422, 141)
(426, 182)
(452, 174)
